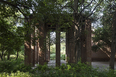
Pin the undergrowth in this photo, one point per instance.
(18, 69)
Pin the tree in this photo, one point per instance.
(33, 11)
(102, 38)
(113, 47)
(105, 36)
(9, 39)
(82, 10)
(57, 12)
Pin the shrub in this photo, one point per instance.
(6, 66)
(13, 66)
(74, 70)
(17, 74)
(22, 68)
(13, 69)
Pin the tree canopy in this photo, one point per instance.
(61, 12)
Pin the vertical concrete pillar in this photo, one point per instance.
(28, 53)
(36, 52)
(33, 45)
(28, 48)
(83, 44)
(42, 44)
(36, 45)
(67, 50)
(57, 46)
(45, 52)
(88, 41)
(48, 47)
(71, 46)
(27, 45)
(38, 49)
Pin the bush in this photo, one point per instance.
(6, 66)
(13, 66)
(74, 70)
(22, 68)
(16, 69)
(17, 74)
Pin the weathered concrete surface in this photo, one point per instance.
(100, 65)
(52, 63)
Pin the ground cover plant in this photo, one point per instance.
(16, 68)
(73, 70)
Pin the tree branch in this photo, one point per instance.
(94, 9)
(85, 7)
(17, 6)
(13, 5)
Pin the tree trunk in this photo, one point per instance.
(77, 33)
(113, 46)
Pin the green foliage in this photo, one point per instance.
(6, 66)
(53, 47)
(42, 68)
(23, 68)
(62, 56)
(13, 66)
(17, 74)
(102, 37)
(10, 40)
(18, 69)
(52, 56)
(73, 70)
